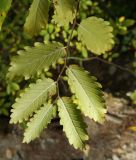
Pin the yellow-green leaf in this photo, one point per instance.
(72, 121)
(32, 99)
(38, 17)
(96, 34)
(35, 59)
(64, 11)
(39, 122)
(88, 92)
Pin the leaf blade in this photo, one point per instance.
(35, 59)
(32, 99)
(64, 11)
(96, 34)
(40, 121)
(73, 124)
(88, 93)
(38, 17)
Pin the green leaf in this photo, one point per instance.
(72, 121)
(88, 92)
(32, 99)
(35, 59)
(64, 11)
(4, 7)
(39, 122)
(38, 17)
(96, 34)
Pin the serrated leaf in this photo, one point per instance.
(64, 11)
(72, 121)
(32, 99)
(35, 59)
(4, 7)
(96, 34)
(39, 122)
(88, 92)
(38, 17)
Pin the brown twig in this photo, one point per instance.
(104, 61)
(68, 46)
(73, 27)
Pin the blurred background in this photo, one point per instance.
(116, 70)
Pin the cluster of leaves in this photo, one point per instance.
(124, 29)
(38, 104)
(11, 39)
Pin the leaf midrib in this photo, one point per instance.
(75, 77)
(45, 55)
(46, 113)
(38, 96)
(72, 122)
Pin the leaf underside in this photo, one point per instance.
(35, 59)
(72, 121)
(88, 92)
(96, 34)
(39, 122)
(32, 99)
(38, 17)
(64, 11)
